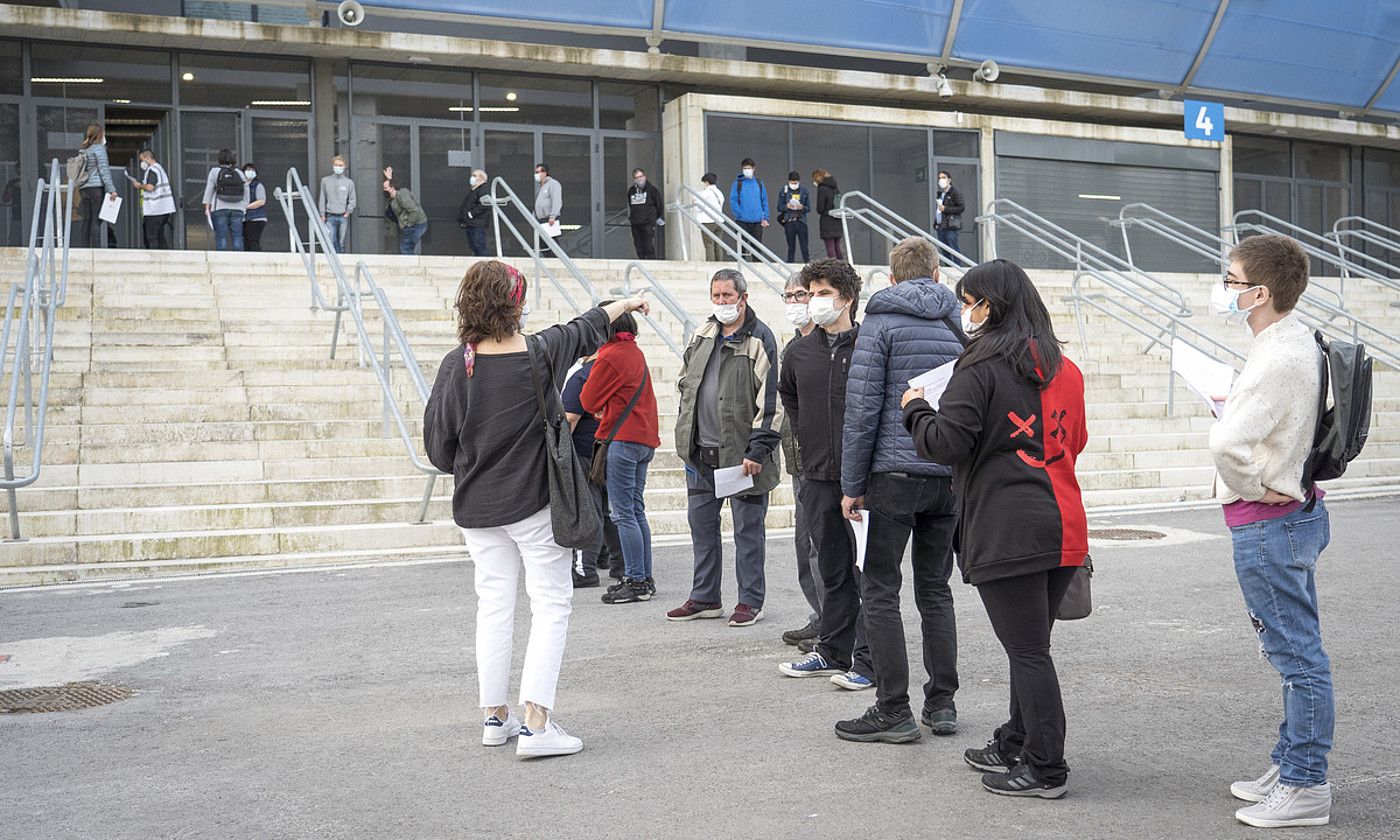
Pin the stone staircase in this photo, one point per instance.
(196, 422)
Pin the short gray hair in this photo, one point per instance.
(732, 275)
(794, 281)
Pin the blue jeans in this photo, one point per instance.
(1275, 561)
(949, 237)
(337, 224)
(476, 239)
(627, 482)
(228, 227)
(408, 241)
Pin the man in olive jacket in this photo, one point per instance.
(728, 417)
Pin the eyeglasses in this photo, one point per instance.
(796, 297)
(1240, 285)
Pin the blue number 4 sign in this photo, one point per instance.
(1204, 120)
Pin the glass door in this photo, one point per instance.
(277, 142)
(377, 145)
(202, 135)
(511, 155)
(621, 155)
(570, 163)
(443, 164)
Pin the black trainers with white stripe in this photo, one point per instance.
(1020, 781)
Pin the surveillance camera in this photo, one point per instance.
(350, 13)
(945, 88)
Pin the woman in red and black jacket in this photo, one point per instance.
(1011, 424)
(619, 392)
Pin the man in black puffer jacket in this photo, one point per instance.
(644, 212)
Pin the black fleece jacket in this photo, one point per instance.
(812, 385)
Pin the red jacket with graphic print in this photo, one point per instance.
(1012, 447)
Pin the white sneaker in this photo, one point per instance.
(1257, 790)
(495, 732)
(552, 740)
(1286, 807)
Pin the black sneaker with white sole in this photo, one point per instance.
(627, 592)
(989, 759)
(1020, 781)
(877, 726)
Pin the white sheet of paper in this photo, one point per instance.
(862, 529)
(554, 228)
(110, 208)
(934, 382)
(730, 481)
(1208, 379)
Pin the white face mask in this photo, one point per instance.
(474, 182)
(1226, 303)
(824, 311)
(969, 326)
(815, 184)
(726, 313)
(792, 185)
(249, 174)
(539, 177)
(145, 166)
(339, 170)
(797, 315)
(748, 173)
(943, 183)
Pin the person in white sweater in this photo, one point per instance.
(1278, 526)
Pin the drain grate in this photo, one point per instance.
(134, 605)
(61, 698)
(1124, 534)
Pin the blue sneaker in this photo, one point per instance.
(851, 681)
(814, 665)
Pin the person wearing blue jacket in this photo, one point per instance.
(910, 328)
(748, 201)
(794, 203)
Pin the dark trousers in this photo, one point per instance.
(476, 240)
(1022, 611)
(899, 505)
(755, 230)
(796, 232)
(644, 238)
(833, 248)
(949, 237)
(842, 629)
(252, 235)
(605, 554)
(809, 577)
(90, 200)
(750, 540)
(153, 231)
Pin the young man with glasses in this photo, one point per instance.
(795, 298)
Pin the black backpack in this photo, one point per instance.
(1341, 428)
(229, 183)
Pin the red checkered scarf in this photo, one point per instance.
(517, 295)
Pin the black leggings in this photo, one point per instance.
(92, 198)
(1022, 611)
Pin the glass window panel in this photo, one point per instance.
(1321, 162)
(202, 135)
(512, 154)
(442, 185)
(620, 156)
(11, 68)
(126, 75)
(728, 140)
(1381, 167)
(844, 151)
(376, 146)
(1278, 200)
(412, 92)
(541, 101)
(950, 144)
(965, 178)
(237, 82)
(634, 107)
(568, 156)
(1248, 194)
(278, 145)
(13, 203)
(61, 130)
(1261, 156)
(902, 178)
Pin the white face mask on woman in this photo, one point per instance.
(968, 325)
(339, 170)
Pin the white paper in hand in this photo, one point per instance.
(553, 229)
(111, 206)
(730, 481)
(862, 531)
(934, 382)
(1208, 379)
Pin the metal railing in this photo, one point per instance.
(663, 296)
(509, 199)
(1369, 232)
(31, 313)
(870, 279)
(1323, 315)
(766, 265)
(352, 297)
(894, 228)
(1316, 245)
(1135, 299)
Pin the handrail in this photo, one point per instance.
(775, 272)
(502, 220)
(351, 297)
(663, 295)
(1321, 314)
(870, 278)
(44, 290)
(1370, 232)
(1272, 224)
(887, 223)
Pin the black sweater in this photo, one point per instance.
(812, 385)
(487, 429)
(643, 204)
(1012, 448)
(474, 213)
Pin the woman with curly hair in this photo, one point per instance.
(483, 424)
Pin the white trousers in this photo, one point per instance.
(497, 554)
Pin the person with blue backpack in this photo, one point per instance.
(748, 201)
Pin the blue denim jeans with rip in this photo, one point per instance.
(1275, 561)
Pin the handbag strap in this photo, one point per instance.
(535, 376)
(617, 427)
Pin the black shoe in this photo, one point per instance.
(651, 586)
(875, 725)
(989, 759)
(586, 581)
(807, 645)
(1020, 781)
(940, 721)
(792, 637)
(627, 592)
(616, 574)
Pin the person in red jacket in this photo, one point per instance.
(619, 392)
(1011, 424)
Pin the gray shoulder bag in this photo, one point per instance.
(572, 516)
